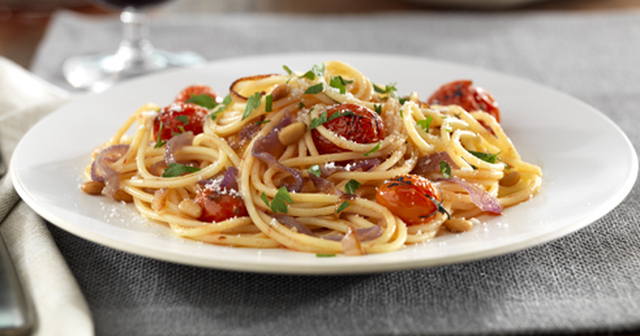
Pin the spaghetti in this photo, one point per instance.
(323, 161)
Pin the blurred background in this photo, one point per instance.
(23, 23)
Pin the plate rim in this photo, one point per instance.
(327, 267)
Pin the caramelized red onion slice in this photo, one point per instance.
(237, 85)
(101, 170)
(365, 165)
(272, 162)
(479, 197)
(176, 143)
(364, 234)
(325, 185)
(230, 179)
(351, 243)
(293, 223)
(431, 163)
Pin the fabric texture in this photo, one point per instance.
(585, 282)
(59, 304)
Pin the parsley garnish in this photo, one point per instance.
(401, 116)
(225, 103)
(185, 121)
(268, 102)
(260, 122)
(252, 103)
(403, 100)
(325, 255)
(159, 142)
(316, 71)
(176, 169)
(374, 149)
(339, 83)
(445, 169)
(286, 68)
(314, 89)
(377, 108)
(315, 122)
(425, 123)
(491, 158)
(388, 89)
(278, 202)
(203, 100)
(315, 170)
(301, 106)
(352, 186)
(342, 207)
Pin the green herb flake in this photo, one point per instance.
(425, 123)
(401, 116)
(159, 142)
(374, 149)
(268, 103)
(315, 122)
(317, 70)
(221, 107)
(176, 169)
(315, 170)
(264, 197)
(325, 255)
(352, 186)
(184, 119)
(301, 106)
(260, 122)
(314, 89)
(377, 108)
(339, 83)
(343, 206)
(252, 103)
(491, 158)
(278, 203)
(288, 70)
(203, 100)
(388, 89)
(445, 169)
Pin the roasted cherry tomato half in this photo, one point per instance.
(466, 95)
(363, 126)
(178, 118)
(411, 198)
(220, 204)
(196, 90)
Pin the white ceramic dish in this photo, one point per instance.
(550, 129)
(477, 4)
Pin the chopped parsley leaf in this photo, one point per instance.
(342, 207)
(278, 203)
(325, 255)
(203, 100)
(314, 89)
(287, 69)
(339, 83)
(425, 123)
(252, 103)
(315, 122)
(225, 103)
(301, 105)
(388, 89)
(176, 169)
(316, 71)
(491, 158)
(374, 149)
(159, 142)
(260, 122)
(377, 108)
(268, 102)
(352, 186)
(445, 169)
(315, 170)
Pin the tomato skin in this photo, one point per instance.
(404, 196)
(168, 118)
(218, 205)
(196, 90)
(466, 95)
(364, 126)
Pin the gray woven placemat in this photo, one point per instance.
(585, 282)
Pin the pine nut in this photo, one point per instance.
(458, 224)
(190, 208)
(122, 196)
(510, 179)
(92, 187)
(280, 91)
(292, 133)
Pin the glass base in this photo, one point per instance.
(99, 72)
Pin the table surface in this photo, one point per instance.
(23, 24)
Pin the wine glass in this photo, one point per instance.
(134, 57)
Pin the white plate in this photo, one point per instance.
(479, 4)
(557, 132)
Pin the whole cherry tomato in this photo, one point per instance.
(466, 95)
(178, 118)
(220, 204)
(196, 90)
(363, 126)
(411, 198)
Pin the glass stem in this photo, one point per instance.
(135, 46)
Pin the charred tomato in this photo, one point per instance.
(196, 90)
(220, 204)
(178, 118)
(362, 126)
(413, 198)
(466, 95)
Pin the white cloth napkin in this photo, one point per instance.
(59, 304)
